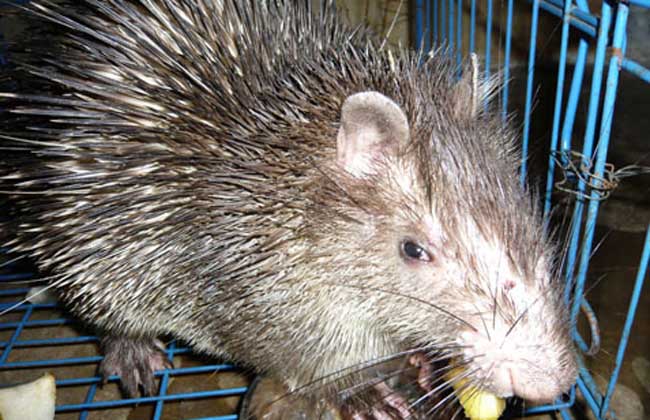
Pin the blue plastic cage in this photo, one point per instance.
(600, 34)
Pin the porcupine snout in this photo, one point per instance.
(529, 356)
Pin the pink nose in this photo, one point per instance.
(508, 380)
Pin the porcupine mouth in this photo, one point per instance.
(439, 377)
(506, 370)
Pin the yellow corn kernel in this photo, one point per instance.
(478, 404)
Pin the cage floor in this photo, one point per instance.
(40, 338)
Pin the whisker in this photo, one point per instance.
(416, 299)
(452, 394)
(445, 382)
(437, 373)
(495, 303)
(519, 318)
(594, 250)
(460, 407)
(398, 371)
(594, 284)
(496, 293)
(480, 314)
(600, 243)
(471, 383)
(477, 387)
(356, 389)
(359, 367)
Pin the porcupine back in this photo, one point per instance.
(169, 115)
(182, 113)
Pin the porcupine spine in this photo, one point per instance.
(161, 102)
(186, 149)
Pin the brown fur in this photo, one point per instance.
(187, 184)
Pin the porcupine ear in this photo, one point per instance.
(372, 125)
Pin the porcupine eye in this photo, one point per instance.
(412, 251)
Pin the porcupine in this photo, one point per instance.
(282, 191)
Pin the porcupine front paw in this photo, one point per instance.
(134, 360)
(391, 404)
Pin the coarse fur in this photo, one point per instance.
(178, 174)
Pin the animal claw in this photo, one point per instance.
(134, 360)
(390, 406)
(425, 371)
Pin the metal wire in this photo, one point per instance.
(14, 358)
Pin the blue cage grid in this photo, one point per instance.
(603, 34)
(48, 318)
(436, 22)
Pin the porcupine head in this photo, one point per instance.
(425, 243)
(310, 206)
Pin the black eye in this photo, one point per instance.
(413, 251)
